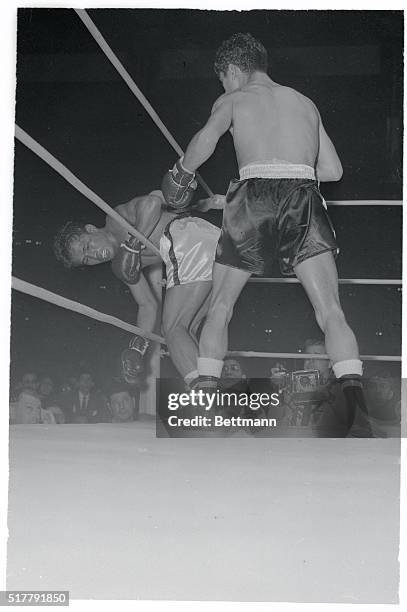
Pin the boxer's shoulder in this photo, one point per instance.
(139, 205)
(224, 100)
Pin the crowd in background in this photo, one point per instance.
(36, 399)
(311, 401)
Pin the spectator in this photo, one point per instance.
(279, 376)
(233, 369)
(49, 399)
(28, 382)
(28, 411)
(315, 402)
(233, 380)
(323, 366)
(85, 405)
(46, 391)
(322, 406)
(71, 384)
(384, 403)
(122, 403)
(309, 395)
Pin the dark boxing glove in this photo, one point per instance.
(126, 264)
(178, 186)
(132, 359)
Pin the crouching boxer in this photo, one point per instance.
(187, 245)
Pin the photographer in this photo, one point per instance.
(314, 403)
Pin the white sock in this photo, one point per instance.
(190, 376)
(210, 367)
(348, 367)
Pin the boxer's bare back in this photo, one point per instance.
(283, 124)
(270, 123)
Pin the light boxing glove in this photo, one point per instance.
(178, 186)
(132, 359)
(126, 264)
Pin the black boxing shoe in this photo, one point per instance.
(358, 423)
(206, 383)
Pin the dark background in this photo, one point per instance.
(73, 102)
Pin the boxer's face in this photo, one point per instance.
(91, 248)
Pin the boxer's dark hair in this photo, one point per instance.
(63, 240)
(242, 50)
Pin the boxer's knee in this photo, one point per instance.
(174, 327)
(220, 313)
(329, 315)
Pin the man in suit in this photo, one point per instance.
(84, 405)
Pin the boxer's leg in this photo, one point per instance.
(228, 283)
(318, 276)
(184, 308)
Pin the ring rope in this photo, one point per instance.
(308, 356)
(97, 35)
(364, 202)
(59, 300)
(52, 161)
(43, 294)
(341, 281)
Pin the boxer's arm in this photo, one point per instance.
(328, 166)
(215, 202)
(204, 142)
(157, 196)
(148, 211)
(132, 358)
(146, 302)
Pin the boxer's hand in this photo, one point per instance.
(126, 264)
(215, 202)
(132, 359)
(178, 186)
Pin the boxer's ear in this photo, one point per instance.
(234, 71)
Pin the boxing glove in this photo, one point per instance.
(126, 264)
(178, 186)
(132, 359)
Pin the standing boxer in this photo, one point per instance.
(275, 207)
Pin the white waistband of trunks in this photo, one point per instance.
(277, 171)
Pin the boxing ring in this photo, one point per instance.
(121, 514)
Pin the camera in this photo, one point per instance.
(298, 382)
(304, 381)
